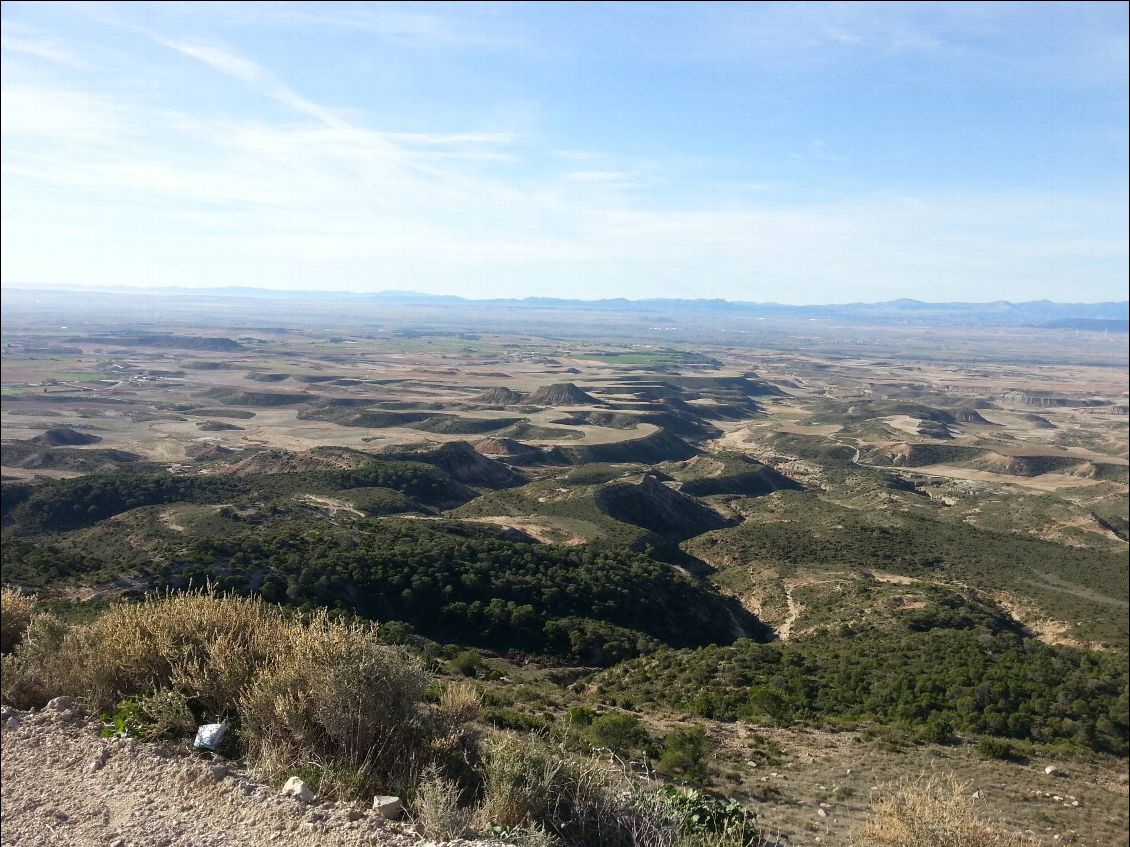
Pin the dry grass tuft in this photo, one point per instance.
(316, 696)
(931, 812)
(332, 692)
(16, 610)
(459, 704)
(26, 679)
(437, 809)
(534, 788)
(207, 647)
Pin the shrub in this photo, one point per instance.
(581, 716)
(684, 755)
(459, 704)
(703, 820)
(466, 663)
(515, 720)
(938, 729)
(207, 647)
(334, 693)
(161, 714)
(618, 732)
(24, 683)
(931, 812)
(772, 701)
(996, 748)
(16, 609)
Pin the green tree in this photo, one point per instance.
(684, 755)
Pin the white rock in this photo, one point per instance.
(298, 789)
(209, 736)
(822, 812)
(1051, 770)
(387, 806)
(60, 703)
(12, 723)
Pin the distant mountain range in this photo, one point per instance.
(1107, 316)
(1025, 312)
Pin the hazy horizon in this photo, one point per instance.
(788, 153)
(235, 290)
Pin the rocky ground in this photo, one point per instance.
(64, 785)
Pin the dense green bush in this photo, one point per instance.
(996, 748)
(705, 820)
(466, 663)
(618, 732)
(684, 755)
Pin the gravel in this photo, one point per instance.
(64, 785)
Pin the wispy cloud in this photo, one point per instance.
(145, 189)
(31, 42)
(248, 72)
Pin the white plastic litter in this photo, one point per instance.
(209, 736)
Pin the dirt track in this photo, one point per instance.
(64, 786)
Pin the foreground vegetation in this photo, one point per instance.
(326, 700)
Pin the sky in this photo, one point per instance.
(789, 152)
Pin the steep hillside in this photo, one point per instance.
(460, 461)
(498, 396)
(658, 508)
(64, 437)
(732, 474)
(561, 394)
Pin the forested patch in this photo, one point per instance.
(940, 682)
(72, 503)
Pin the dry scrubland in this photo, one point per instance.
(815, 577)
(326, 700)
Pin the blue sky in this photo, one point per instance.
(794, 152)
